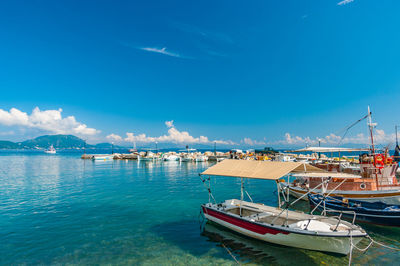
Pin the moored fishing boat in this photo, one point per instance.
(276, 224)
(376, 180)
(369, 212)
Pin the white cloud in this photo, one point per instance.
(160, 51)
(251, 142)
(344, 2)
(48, 120)
(7, 133)
(174, 136)
(114, 137)
(169, 123)
(380, 137)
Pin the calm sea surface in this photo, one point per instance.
(59, 209)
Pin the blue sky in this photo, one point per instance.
(224, 70)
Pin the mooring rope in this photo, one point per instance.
(367, 247)
(383, 245)
(230, 253)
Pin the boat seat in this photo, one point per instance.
(261, 215)
(341, 227)
(312, 225)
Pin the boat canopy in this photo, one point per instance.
(259, 169)
(328, 149)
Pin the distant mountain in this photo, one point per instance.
(8, 145)
(58, 141)
(105, 146)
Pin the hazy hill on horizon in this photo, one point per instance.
(59, 141)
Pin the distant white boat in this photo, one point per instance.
(102, 157)
(200, 158)
(50, 150)
(187, 157)
(171, 157)
(147, 156)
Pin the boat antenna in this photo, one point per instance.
(346, 129)
(396, 149)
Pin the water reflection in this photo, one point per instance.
(248, 250)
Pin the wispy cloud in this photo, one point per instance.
(174, 136)
(344, 2)
(161, 51)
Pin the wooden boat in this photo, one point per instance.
(276, 224)
(376, 181)
(368, 212)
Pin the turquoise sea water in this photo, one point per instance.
(59, 209)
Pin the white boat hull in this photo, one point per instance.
(334, 244)
(103, 158)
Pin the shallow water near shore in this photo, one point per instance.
(60, 209)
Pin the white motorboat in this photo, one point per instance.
(171, 157)
(147, 156)
(51, 150)
(186, 157)
(200, 158)
(284, 158)
(276, 224)
(103, 157)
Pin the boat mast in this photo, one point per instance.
(371, 131)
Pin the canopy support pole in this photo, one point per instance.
(287, 201)
(241, 197)
(279, 192)
(327, 195)
(208, 187)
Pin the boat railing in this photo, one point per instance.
(339, 217)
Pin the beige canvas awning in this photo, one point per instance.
(259, 169)
(328, 149)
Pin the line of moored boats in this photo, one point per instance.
(343, 194)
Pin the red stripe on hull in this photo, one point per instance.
(243, 224)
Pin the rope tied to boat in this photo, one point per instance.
(230, 253)
(352, 245)
(383, 245)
